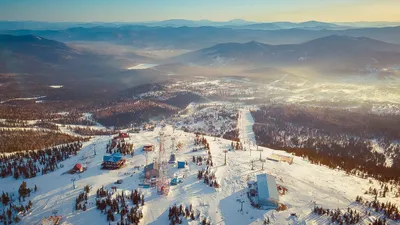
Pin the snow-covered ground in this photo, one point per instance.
(245, 125)
(215, 118)
(142, 66)
(56, 86)
(306, 183)
(23, 99)
(378, 149)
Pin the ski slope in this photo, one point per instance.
(245, 126)
(307, 184)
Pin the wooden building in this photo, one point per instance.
(148, 148)
(280, 158)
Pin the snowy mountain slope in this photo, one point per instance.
(245, 126)
(306, 183)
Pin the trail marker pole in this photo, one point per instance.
(225, 151)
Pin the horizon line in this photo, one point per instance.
(199, 20)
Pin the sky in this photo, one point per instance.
(217, 10)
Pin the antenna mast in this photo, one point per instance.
(162, 182)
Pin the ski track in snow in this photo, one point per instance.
(245, 125)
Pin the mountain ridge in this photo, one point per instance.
(331, 51)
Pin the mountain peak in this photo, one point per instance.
(332, 39)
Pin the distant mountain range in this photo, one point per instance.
(243, 24)
(28, 45)
(33, 54)
(309, 25)
(194, 38)
(194, 23)
(236, 23)
(328, 53)
(53, 60)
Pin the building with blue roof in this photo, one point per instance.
(267, 191)
(114, 161)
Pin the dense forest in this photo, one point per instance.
(32, 139)
(29, 164)
(356, 142)
(122, 114)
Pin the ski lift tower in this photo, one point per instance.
(260, 150)
(173, 144)
(162, 182)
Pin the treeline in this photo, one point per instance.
(24, 140)
(30, 110)
(82, 200)
(216, 121)
(24, 124)
(29, 164)
(120, 147)
(355, 122)
(13, 123)
(176, 215)
(388, 209)
(232, 135)
(385, 190)
(122, 114)
(338, 217)
(110, 204)
(11, 212)
(354, 166)
(87, 131)
(47, 125)
(209, 177)
(75, 118)
(310, 127)
(323, 141)
(26, 110)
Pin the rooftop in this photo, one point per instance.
(266, 186)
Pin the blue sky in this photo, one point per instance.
(218, 10)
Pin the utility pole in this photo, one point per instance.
(94, 149)
(262, 164)
(225, 151)
(147, 157)
(173, 143)
(73, 183)
(260, 153)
